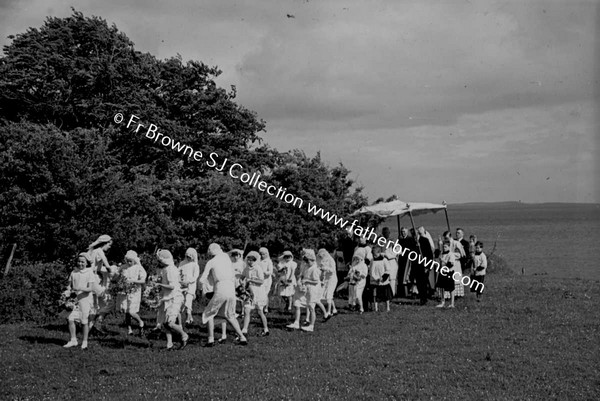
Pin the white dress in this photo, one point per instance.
(286, 284)
(391, 266)
(267, 266)
(171, 299)
(300, 289)
(329, 274)
(78, 281)
(130, 303)
(223, 300)
(457, 248)
(259, 294)
(357, 287)
(313, 291)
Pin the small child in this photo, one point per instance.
(268, 268)
(105, 299)
(171, 299)
(479, 269)
(312, 280)
(208, 291)
(328, 278)
(253, 274)
(235, 255)
(81, 282)
(356, 279)
(381, 290)
(306, 291)
(445, 281)
(130, 302)
(287, 278)
(189, 272)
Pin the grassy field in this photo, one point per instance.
(532, 338)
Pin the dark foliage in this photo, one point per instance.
(31, 292)
(69, 173)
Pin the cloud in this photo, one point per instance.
(418, 64)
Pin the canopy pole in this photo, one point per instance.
(447, 221)
(398, 222)
(415, 230)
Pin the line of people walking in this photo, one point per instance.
(234, 285)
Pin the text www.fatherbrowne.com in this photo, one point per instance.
(236, 171)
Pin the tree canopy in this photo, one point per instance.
(69, 173)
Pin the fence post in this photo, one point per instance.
(12, 253)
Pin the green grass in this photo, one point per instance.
(531, 338)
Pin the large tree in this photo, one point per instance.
(69, 173)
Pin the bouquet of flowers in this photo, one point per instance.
(355, 278)
(68, 300)
(151, 295)
(243, 293)
(281, 276)
(183, 281)
(120, 285)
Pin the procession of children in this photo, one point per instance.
(232, 285)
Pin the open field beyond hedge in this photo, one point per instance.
(532, 338)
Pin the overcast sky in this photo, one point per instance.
(461, 101)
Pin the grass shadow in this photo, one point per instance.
(43, 340)
(119, 343)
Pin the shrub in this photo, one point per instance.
(31, 292)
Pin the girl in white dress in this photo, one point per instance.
(254, 275)
(81, 282)
(459, 252)
(129, 303)
(307, 291)
(445, 282)
(208, 291)
(357, 279)
(223, 301)
(171, 299)
(267, 265)
(189, 272)
(237, 263)
(103, 301)
(311, 279)
(287, 278)
(235, 255)
(329, 279)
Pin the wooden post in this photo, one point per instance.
(415, 230)
(412, 222)
(446, 213)
(12, 253)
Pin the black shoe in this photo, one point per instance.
(209, 344)
(264, 334)
(238, 341)
(222, 340)
(183, 344)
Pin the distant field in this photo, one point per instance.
(553, 239)
(532, 338)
